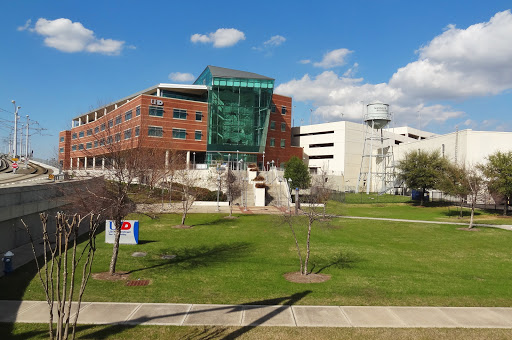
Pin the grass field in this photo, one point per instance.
(243, 261)
(39, 331)
(413, 211)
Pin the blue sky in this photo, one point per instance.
(440, 64)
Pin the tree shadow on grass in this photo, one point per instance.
(342, 260)
(202, 256)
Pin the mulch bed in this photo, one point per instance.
(297, 277)
(105, 276)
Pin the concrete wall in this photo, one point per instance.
(26, 202)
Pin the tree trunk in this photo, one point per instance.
(461, 203)
(422, 196)
(505, 207)
(472, 214)
(310, 222)
(115, 249)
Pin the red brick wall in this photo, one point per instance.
(167, 122)
(66, 145)
(278, 154)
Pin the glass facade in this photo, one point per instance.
(238, 117)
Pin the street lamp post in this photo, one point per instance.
(15, 141)
(26, 146)
(246, 180)
(290, 188)
(218, 191)
(263, 160)
(194, 161)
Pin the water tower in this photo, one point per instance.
(376, 171)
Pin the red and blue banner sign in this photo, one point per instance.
(129, 232)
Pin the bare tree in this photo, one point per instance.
(311, 215)
(477, 188)
(58, 278)
(188, 180)
(233, 188)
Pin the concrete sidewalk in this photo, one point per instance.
(265, 315)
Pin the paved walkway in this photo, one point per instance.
(265, 315)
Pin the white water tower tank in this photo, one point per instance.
(377, 115)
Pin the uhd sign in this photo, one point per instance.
(129, 232)
(157, 102)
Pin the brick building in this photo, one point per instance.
(225, 115)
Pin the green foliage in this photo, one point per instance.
(422, 169)
(498, 171)
(298, 172)
(454, 181)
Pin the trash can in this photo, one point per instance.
(7, 260)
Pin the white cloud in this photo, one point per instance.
(333, 58)
(461, 63)
(26, 26)
(223, 37)
(181, 77)
(275, 40)
(457, 64)
(305, 61)
(67, 36)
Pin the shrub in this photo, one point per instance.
(259, 178)
(260, 185)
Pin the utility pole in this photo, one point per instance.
(26, 146)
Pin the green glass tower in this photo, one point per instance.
(239, 109)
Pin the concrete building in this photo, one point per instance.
(336, 148)
(225, 115)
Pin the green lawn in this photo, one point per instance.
(413, 211)
(243, 261)
(40, 331)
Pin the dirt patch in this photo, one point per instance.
(105, 276)
(468, 229)
(231, 217)
(181, 226)
(297, 277)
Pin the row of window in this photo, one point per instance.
(273, 109)
(158, 131)
(273, 126)
(153, 131)
(158, 111)
(273, 142)
(118, 120)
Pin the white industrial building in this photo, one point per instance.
(337, 148)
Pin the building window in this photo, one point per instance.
(110, 123)
(155, 131)
(137, 111)
(283, 143)
(272, 142)
(156, 111)
(127, 115)
(88, 145)
(179, 114)
(179, 133)
(80, 134)
(118, 137)
(73, 147)
(103, 127)
(73, 136)
(283, 127)
(118, 120)
(109, 140)
(283, 110)
(61, 150)
(273, 108)
(95, 143)
(80, 146)
(137, 131)
(96, 129)
(272, 125)
(102, 142)
(128, 134)
(199, 135)
(62, 139)
(199, 116)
